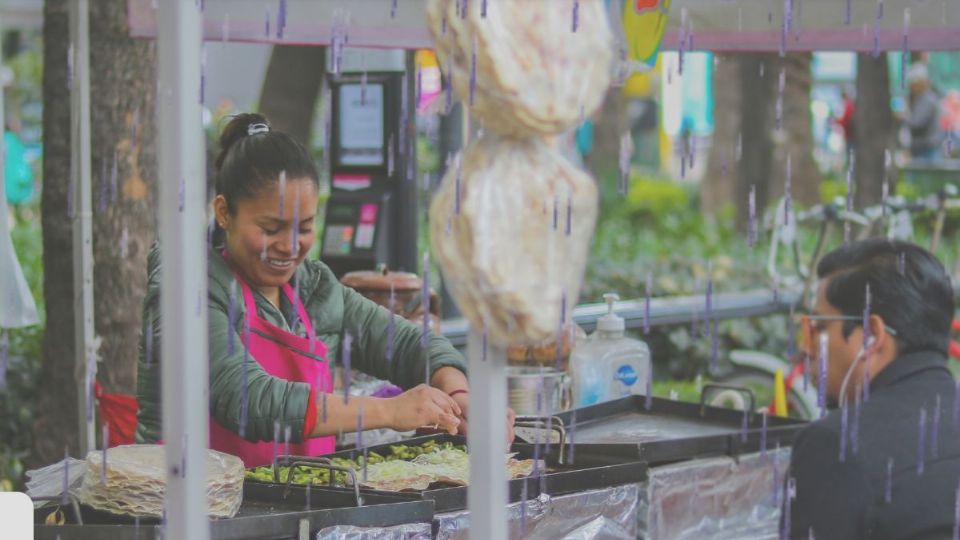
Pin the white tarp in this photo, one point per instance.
(754, 25)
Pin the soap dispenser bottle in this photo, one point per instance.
(609, 365)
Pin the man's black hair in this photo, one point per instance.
(909, 289)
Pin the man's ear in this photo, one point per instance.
(883, 339)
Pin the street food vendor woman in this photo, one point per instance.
(278, 322)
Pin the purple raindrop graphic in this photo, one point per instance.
(281, 18)
(4, 347)
(286, 440)
(855, 426)
(569, 225)
(276, 438)
(360, 429)
(956, 405)
(148, 341)
(473, 72)
(744, 422)
(921, 440)
(905, 49)
(393, 9)
(888, 488)
(848, 13)
(902, 264)
(935, 431)
(523, 507)
(65, 488)
(556, 211)
(124, 242)
(626, 154)
(182, 194)
(323, 407)
(576, 15)
(347, 344)
(844, 430)
(779, 104)
(571, 437)
(281, 192)
(104, 444)
(483, 9)
(752, 225)
(483, 351)
(714, 345)
(425, 302)
(102, 195)
(266, 22)
(391, 306)
(203, 72)
(263, 250)
(244, 392)
(231, 316)
(763, 432)
(91, 380)
(225, 29)
(956, 515)
(183, 456)
(295, 228)
(790, 496)
(866, 316)
(648, 289)
(648, 391)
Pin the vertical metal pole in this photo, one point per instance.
(85, 349)
(487, 494)
(183, 301)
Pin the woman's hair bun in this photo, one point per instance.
(235, 130)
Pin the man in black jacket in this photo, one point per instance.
(886, 464)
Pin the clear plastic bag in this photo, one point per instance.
(511, 225)
(17, 306)
(522, 67)
(48, 481)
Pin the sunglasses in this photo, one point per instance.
(809, 322)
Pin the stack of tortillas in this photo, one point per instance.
(516, 251)
(136, 480)
(512, 221)
(530, 71)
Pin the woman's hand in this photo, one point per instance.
(463, 399)
(424, 406)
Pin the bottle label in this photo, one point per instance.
(627, 375)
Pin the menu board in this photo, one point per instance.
(361, 124)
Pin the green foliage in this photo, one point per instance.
(24, 358)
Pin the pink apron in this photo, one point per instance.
(287, 356)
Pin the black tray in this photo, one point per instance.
(672, 430)
(263, 515)
(588, 471)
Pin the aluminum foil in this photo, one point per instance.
(717, 498)
(606, 513)
(409, 531)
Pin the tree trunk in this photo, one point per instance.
(873, 121)
(123, 92)
(758, 92)
(55, 420)
(123, 89)
(795, 137)
(291, 88)
(719, 186)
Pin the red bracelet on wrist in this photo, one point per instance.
(460, 391)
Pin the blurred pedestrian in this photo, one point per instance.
(923, 115)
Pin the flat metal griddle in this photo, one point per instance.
(589, 471)
(264, 515)
(671, 430)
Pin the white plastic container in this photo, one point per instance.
(608, 365)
